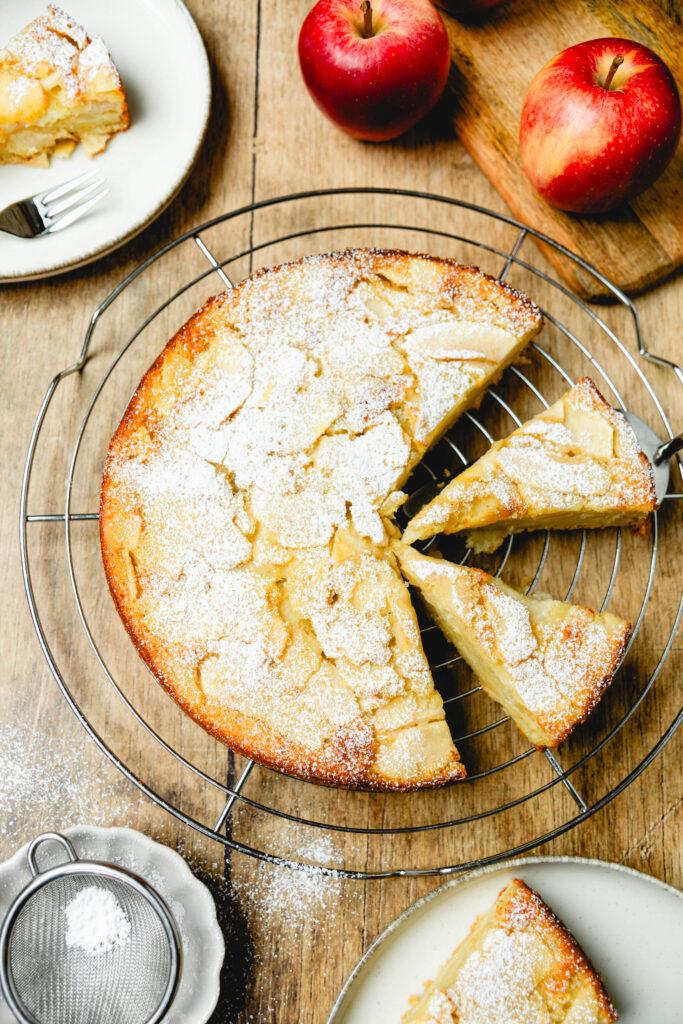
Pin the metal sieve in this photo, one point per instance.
(49, 980)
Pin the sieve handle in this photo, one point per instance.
(56, 837)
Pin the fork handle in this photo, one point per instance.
(22, 220)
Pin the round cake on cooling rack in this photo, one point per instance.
(247, 500)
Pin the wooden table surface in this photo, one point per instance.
(292, 938)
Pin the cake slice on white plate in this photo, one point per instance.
(518, 965)
(58, 87)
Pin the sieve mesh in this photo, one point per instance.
(58, 983)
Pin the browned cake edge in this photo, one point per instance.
(601, 680)
(570, 946)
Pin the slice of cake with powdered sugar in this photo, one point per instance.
(518, 965)
(247, 501)
(547, 662)
(576, 465)
(58, 87)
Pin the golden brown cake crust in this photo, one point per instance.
(378, 747)
(519, 901)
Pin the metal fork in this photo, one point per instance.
(55, 208)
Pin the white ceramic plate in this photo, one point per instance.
(189, 900)
(629, 924)
(165, 71)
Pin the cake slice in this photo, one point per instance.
(547, 662)
(518, 965)
(58, 87)
(577, 464)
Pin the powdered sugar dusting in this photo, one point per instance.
(54, 42)
(496, 984)
(299, 896)
(523, 968)
(95, 921)
(512, 625)
(48, 779)
(552, 658)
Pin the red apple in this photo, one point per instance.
(374, 68)
(600, 122)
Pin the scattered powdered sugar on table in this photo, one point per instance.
(48, 779)
(51, 781)
(96, 922)
(298, 896)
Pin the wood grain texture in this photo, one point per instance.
(291, 942)
(494, 60)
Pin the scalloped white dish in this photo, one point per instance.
(629, 924)
(189, 901)
(145, 166)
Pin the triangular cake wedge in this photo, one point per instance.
(58, 87)
(577, 464)
(547, 662)
(247, 497)
(518, 965)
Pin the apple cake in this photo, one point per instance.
(247, 498)
(547, 662)
(577, 464)
(518, 965)
(58, 87)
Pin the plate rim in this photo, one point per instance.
(467, 876)
(163, 204)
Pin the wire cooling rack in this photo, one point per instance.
(259, 812)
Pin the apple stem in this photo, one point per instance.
(366, 11)
(616, 63)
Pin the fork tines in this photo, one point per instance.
(65, 204)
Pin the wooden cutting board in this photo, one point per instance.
(494, 59)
